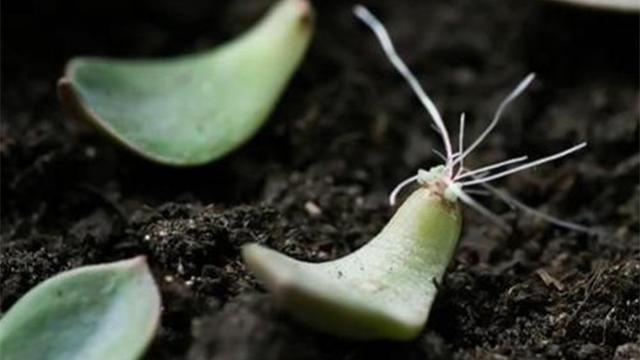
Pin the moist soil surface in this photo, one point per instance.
(314, 182)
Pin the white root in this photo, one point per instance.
(525, 166)
(451, 176)
(387, 45)
(503, 105)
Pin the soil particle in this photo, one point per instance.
(248, 328)
(199, 245)
(627, 352)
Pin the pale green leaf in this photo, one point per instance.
(192, 109)
(99, 312)
(384, 290)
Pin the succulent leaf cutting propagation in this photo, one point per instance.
(385, 290)
(281, 193)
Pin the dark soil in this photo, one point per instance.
(346, 131)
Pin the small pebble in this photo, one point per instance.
(312, 208)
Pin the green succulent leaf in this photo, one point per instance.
(108, 311)
(192, 109)
(384, 290)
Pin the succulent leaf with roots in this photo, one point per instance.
(453, 177)
(385, 289)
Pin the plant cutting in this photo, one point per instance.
(385, 289)
(107, 311)
(192, 109)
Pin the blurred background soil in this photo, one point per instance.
(314, 182)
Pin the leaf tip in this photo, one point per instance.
(305, 12)
(66, 93)
(268, 266)
(139, 261)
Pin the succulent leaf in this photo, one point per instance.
(384, 290)
(192, 109)
(107, 311)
